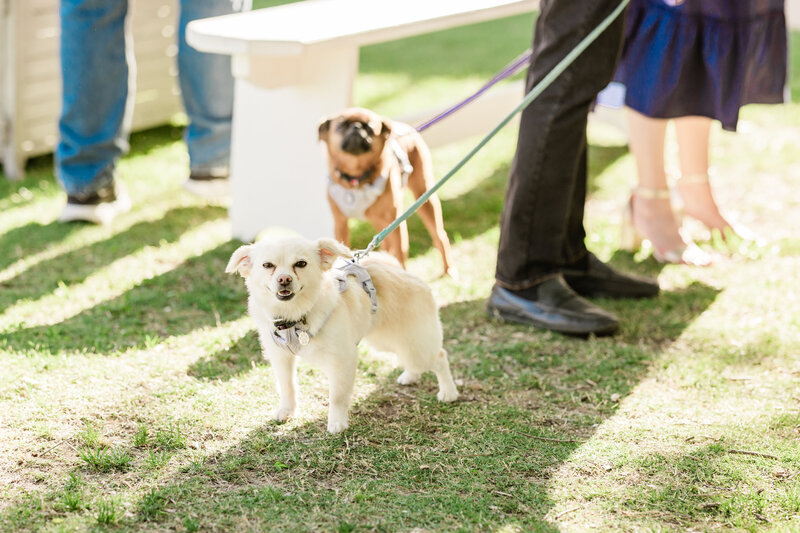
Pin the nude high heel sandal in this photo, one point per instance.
(725, 231)
(631, 238)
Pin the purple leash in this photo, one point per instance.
(509, 70)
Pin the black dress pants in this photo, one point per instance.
(542, 229)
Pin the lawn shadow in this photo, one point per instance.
(75, 266)
(36, 169)
(626, 262)
(230, 362)
(404, 464)
(29, 239)
(408, 461)
(145, 141)
(528, 400)
(194, 295)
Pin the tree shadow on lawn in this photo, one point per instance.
(196, 294)
(410, 462)
(34, 237)
(529, 399)
(29, 239)
(75, 266)
(230, 362)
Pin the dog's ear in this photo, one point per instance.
(240, 261)
(386, 127)
(323, 129)
(329, 250)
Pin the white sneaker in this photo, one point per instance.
(209, 186)
(100, 208)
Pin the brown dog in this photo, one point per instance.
(370, 161)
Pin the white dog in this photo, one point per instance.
(305, 306)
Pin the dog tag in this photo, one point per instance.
(302, 336)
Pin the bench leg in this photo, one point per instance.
(278, 170)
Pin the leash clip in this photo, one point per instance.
(358, 255)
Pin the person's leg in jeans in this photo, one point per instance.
(207, 90)
(542, 232)
(97, 71)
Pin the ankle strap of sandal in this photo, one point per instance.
(687, 179)
(650, 193)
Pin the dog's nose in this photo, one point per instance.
(284, 279)
(357, 129)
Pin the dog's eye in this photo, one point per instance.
(268, 265)
(300, 264)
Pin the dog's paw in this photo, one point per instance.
(408, 378)
(337, 426)
(282, 414)
(447, 396)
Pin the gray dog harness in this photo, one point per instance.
(354, 202)
(346, 268)
(294, 335)
(291, 335)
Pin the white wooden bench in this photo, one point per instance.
(296, 63)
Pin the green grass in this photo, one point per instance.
(134, 398)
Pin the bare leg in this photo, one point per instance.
(694, 188)
(652, 209)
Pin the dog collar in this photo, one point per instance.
(402, 157)
(355, 200)
(344, 268)
(355, 181)
(289, 335)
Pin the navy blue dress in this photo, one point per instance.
(703, 57)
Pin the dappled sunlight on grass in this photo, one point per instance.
(113, 279)
(134, 395)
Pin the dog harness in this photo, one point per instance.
(354, 202)
(345, 268)
(294, 335)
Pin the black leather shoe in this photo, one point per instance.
(600, 280)
(556, 308)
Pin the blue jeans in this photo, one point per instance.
(98, 73)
